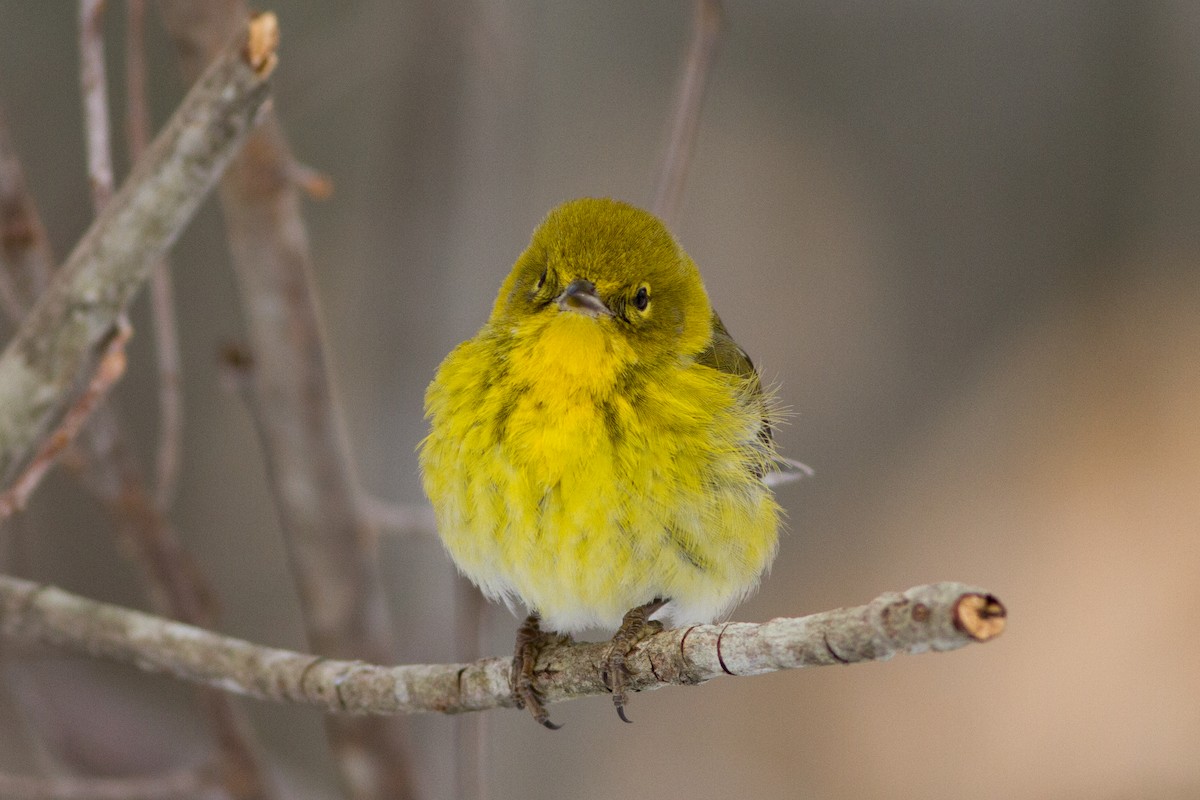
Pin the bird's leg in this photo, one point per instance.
(530, 641)
(635, 627)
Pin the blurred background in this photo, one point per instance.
(963, 240)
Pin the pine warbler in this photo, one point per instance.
(601, 450)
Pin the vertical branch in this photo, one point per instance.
(706, 34)
(469, 739)
(95, 101)
(331, 548)
(162, 295)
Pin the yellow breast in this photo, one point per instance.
(564, 478)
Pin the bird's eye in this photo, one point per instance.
(642, 299)
(541, 281)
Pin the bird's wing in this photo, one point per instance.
(725, 355)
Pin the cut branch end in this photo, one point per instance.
(980, 616)
(262, 43)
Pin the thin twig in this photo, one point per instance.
(108, 372)
(934, 617)
(94, 82)
(162, 295)
(331, 548)
(184, 783)
(50, 360)
(706, 34)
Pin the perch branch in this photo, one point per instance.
(706, 34)
(934, 617)
(55, 352)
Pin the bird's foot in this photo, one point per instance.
(531, 639)
(635, 627)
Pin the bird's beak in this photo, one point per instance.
(581, 298)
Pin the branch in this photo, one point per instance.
(25, 261)
(55, 352)
(108, 372)
(184, 783)
(162, 295)
(935, 617)
(94, 83)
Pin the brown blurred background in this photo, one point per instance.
(963, 239)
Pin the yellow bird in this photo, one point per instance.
(601, 450)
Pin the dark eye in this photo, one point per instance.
(541, 281)
(641, 299)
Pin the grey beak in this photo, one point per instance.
(581, 298)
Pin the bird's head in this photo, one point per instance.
(606, 269)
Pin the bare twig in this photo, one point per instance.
(162, 295)
(180, 784)
(332, 549)
(25, 261)
(706, 34)
(51, 359)
(934, 617)
(95, 101)
(108, 372)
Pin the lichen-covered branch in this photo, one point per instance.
(51, 359)
(934, 617)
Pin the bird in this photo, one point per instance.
(601, 453)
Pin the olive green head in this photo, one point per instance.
(617, 265)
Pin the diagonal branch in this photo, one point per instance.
(50, 361)
(934, 617)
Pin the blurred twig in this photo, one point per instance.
(25, 261)
(180, 784)
(332, 549)
(162, 295)
(469, 740)
(706, 34)
(934, 617)
(94, 84)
